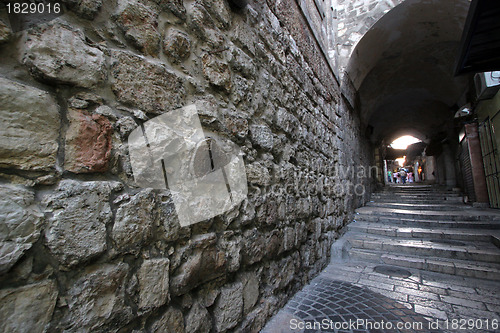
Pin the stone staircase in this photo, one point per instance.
(427, 228)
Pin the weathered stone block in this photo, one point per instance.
(285, 121)
(253, 247)
(60, 54)
(153, 283)
(198, 319)
(231, 245)
(145, 84)
(177, 46)
(134, 221)
(242, 63)
(27, 309)
(241, 90)
(251, 283)
(20, 224)
(88, 142)
(139, 22)
(220, 11)
(96, 302)
(199, 21)
(258, 174)
(237, 126)
(171, 321)
(204, 263)
(262, 136)
(125, 126)
(176, 7)
(243, 35)
(28, 137)
(228, 307)
(289, 239)
(217, 72)
(76, 231)
(281, 273)
(85, 8)
(169, 220)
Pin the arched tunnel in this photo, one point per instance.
(403, 70)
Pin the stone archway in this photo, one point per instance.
(402, 69)
(354, 19)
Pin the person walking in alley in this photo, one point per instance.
(402, 174)
(410, 177)
(389, 176)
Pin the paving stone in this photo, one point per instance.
(464, 302)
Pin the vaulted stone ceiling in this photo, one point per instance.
(403, 69)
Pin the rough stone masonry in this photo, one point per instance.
(83, 249)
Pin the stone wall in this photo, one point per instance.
(83, 249)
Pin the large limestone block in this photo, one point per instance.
(30, 121)
(134, 221)
(76, 231)
(20, 224)
(96, 302)
(229, 307)
(153, 283)
(205, 262)
(198, 319)
(142, 83)
(172, 321)
(60, 54)
(139, 23)
(27, 309)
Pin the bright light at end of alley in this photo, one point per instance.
(403, 142)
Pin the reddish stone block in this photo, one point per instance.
(88, 142)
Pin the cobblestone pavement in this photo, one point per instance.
(335, 306)
(354, 290)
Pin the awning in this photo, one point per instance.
(480, 44)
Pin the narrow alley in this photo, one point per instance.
(416, 257)
(246, 166)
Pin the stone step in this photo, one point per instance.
(391, 230)
(409, 199)
(452, 215)
(409, 222)
(420, 206)
(477, 251)
(434, 264)
(395, 195)
(453, 201)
